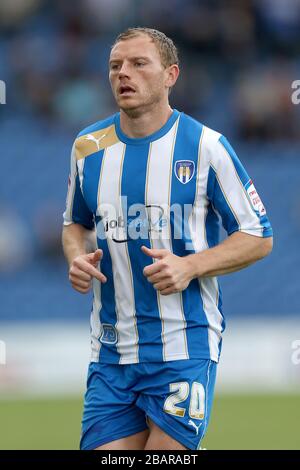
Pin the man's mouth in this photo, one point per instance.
(126, 90)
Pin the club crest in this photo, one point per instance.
(184, 170)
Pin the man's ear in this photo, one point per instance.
(172, 73)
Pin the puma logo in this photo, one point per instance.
(191, 423)
(93, 139)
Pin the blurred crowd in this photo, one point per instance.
(238, 61)
(241, 54)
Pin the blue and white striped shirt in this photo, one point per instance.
(167, 190)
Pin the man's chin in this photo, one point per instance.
(130, 108)
(135, 108)
(128, 103)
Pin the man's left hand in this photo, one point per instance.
(170, 273)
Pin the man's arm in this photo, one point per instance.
(77, 242)
(171, 273)
(236, 252)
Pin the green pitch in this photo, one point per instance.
(237, 422)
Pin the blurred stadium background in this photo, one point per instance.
(238, 61)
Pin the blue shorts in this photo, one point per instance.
(176, 395)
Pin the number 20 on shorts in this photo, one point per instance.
(182, 391)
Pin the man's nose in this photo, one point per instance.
(124, 70)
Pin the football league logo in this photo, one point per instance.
(184, 170)
(255, 199)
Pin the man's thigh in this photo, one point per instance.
(177, 397)
(135, 442)
(159, 440)
(110, 416)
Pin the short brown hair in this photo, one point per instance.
(166, 47)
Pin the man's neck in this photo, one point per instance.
(145, 123)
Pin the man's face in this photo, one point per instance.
(136, 74)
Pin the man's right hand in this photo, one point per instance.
(83, 269)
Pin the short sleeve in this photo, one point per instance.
(231, 192)
(77, 210)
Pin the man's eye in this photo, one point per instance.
(139, 64)
(114, 67)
